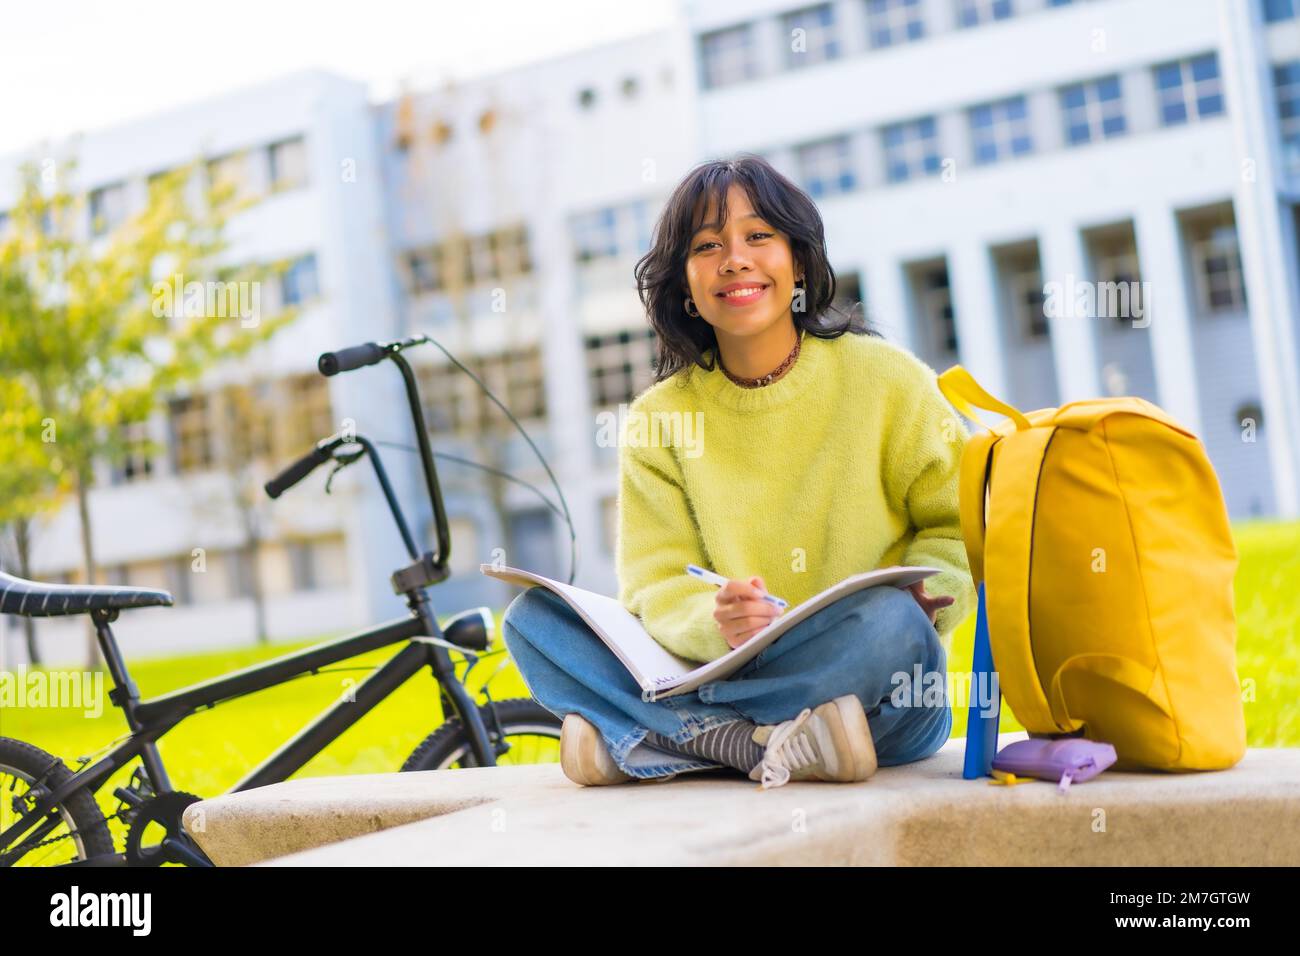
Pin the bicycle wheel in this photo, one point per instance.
(531, 732)
(81, 831)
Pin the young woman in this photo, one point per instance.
(805, 449)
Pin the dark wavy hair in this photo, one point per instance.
(660, 274)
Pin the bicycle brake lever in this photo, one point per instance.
(341, 462)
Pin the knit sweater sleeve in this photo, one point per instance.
(924, 451)
(657, 537)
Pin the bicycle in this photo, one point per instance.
(57, 804)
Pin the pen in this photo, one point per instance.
(719, 580)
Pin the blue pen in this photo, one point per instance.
(719, 580)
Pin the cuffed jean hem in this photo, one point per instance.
(692, 727)
(639, 759)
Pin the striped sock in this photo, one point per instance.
(731, 744)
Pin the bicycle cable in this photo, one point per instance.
(573, 537)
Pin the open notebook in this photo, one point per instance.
(661, 673)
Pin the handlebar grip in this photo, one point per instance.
(296, 472)
(345, 360)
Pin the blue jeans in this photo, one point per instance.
(871, 643)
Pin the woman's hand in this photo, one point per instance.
(930, 604)
(741, 611)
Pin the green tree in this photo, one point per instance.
(102, 322)
(32, 478)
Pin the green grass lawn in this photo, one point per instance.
(212, 750)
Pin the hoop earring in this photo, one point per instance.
(690, 304)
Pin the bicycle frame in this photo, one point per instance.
(149, 720)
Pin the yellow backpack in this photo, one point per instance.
(1101, 534)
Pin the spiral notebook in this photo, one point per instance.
(661, 673)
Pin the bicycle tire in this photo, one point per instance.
(81, 813)
(449, 744)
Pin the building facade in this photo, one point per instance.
(1070, 199)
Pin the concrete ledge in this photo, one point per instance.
(920, 814)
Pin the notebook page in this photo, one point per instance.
(649, 662)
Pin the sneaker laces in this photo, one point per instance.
(786, 752)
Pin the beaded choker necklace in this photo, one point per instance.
(770, 376)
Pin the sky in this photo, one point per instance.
(71, 66)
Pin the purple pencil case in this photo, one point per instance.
(1066, 761)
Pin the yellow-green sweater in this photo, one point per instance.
(846, 463)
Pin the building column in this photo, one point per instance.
(977, 313)
(569, 416)
(888, 306)
(1064, 266)
(1169, 312)
(1272, 293)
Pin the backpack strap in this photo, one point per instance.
(965, 394)
(963, 391)
(1013, 498)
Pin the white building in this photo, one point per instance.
(966, 154)
(158, 519)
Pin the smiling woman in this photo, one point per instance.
(822, 454)
(741, 248)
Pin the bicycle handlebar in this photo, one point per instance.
(301, 468)
(345, 360)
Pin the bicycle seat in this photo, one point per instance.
(33, 599)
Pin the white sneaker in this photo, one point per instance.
(831, 742)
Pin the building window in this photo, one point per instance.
(107, 209)
(1216, 261)
(894, 21)
(299, 283)
(287, 162)
(231, 172)
(1092, 111)
(135, 462)
(510, 253)
(936, 307)
(191, 434)
(422, 271)
(1115, 264)
(641, 226)
(630, 87)
(971, 13)
(1000, 130)
(911, 149)
(248, 415)
(453, 403)
(826, 168)
(848, 291)
(586, 98)
(620, 365)
(179, 575)
(449, 399)
(1275, 10)
(517, 378)
(318, 564)
(728, 56)
(1027, 297)
(1189, 89)
(1286, 81)
(810, 35)
(595, 235)
(306, 416)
